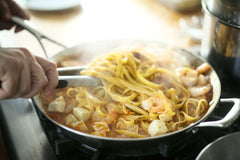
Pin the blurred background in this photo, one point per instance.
(74, 21)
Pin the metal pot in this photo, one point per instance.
(149, 145)
(226, 147)
(221, 36)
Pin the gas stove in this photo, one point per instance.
(29, 135)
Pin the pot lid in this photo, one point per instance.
(227, 11)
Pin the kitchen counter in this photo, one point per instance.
(98, 20)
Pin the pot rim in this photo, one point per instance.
(215, 143)
(218, 18)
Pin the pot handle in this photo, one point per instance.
(229, 118)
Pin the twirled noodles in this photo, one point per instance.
(141, 95)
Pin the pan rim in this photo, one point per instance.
(212, 105)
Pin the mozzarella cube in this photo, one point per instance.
(58, 105)
(79, 125)
(81, 113)
(157, 127)
(71, 119)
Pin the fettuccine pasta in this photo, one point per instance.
(140, 96)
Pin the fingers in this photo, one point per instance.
(5, 12)
(17, 10)
(37, 79)
(9, 73)
(24, 79)
(7, 89)
(50, 70)
(24, 75)
(9, 86)
(5, 25)
(8, 8)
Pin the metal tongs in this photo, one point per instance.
(70, 77)
(38, 35)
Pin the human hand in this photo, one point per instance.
(8, 8)
(24, 75)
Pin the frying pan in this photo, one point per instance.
(87, 51)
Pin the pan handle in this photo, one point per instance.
(230, 117)
(38, 35)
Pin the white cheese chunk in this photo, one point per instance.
(79, 125)
(58, 105)
(157, 127)
(70, 119)
(81, 113)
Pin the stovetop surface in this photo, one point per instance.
(29, 135)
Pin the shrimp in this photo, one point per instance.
(194, 80)
(203, 68)
(153, 104)
(197, 91)
(158, 103)
(157, 127)
(202, 80)
(188, 76)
